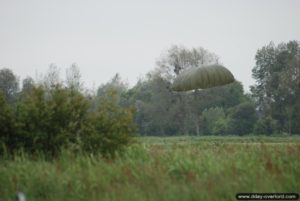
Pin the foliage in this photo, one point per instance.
(52, 77)
(8, 84)
(50, 116)
(167, 169)
(28, 84)
(266, 125)
(242, 119)
(154, 110)
(119, 87)
(48, 120)
(7, 126)
(113, 126)
(277, 88)
(178, 58)
(163, 112)
(73, 78)
(212, 119)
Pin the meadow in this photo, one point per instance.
(157, 168)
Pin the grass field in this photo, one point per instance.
(175, 168)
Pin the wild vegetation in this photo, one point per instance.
(48, 114)
(60, 141)
(173, 168)
(271, 107)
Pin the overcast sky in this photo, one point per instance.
(106, 37)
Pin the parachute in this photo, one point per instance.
(202, 78)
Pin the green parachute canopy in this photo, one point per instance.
(202, 78)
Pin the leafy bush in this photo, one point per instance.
(49, 116)
(220, 126)
(266, 125)
(7, 125)
(242, 118)
(50, 119)
(111, 127)
(8, 85)
(212, 119)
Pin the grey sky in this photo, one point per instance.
(106, 37)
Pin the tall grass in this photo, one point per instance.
(169, 170)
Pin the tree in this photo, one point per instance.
(28, 84)
(212, 117)
(7, 126)
(50, 120)
(171, 64)
(112, 126)
(266, 125)
(176, 59)
(160, 111)
(52, 78)
(116, 84)
(8, 84)
(154, 106)
(277, 88)
(241, 119)
(73, 78)
(49, 116)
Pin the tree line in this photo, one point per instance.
(271, 107)
(50, 113)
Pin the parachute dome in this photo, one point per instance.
(202, 78)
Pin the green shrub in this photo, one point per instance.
(266, 125)
(50, 119)
(214, 118)
(46, 120)
(242, 118)
(7, 126)
(111, 127)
